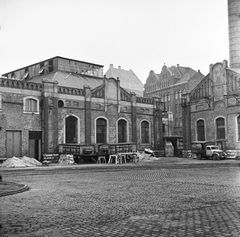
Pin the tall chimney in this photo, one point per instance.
(234, 32)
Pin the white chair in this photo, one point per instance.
(101, 159)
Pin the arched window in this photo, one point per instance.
(180, 94)
(220, 126)
(30, 105)
(200, 130)
(122, 130)
(101, 127)
(145, 132)
(71, 129)
(169, 98)
(176, 94)
(238, 127)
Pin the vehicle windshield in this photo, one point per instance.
(214, 147)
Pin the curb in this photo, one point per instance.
(21, 188)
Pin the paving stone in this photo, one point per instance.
(159, 202)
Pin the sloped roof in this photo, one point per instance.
(176, 73)
(70, 80)
(237, 70)
(128, 79)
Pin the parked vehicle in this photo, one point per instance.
(207, 150)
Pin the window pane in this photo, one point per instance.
(122, 131)
(238, 127)
(220, 128)
(31, 105)
(71, 129)
(101, 131)
(145, 132)
(200, 130)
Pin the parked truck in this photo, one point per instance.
(207, 150)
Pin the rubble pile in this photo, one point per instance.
(16, 162)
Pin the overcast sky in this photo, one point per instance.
(140, 35)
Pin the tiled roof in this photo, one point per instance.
(70, 79)
(128, 79)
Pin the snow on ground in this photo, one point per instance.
(17, 162)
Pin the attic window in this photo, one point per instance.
(50, 66)
(25, 76)
(41, 71)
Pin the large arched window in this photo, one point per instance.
(145, 132)
(71, 129)
(200, 130)
(220, 127)
(101, 130)
(122, 130)
(238, 127)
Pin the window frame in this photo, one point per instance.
(127, 129)
(107, 128)
(78, 128)
(238, 128)
(217, 128)
(204, 129)
(141, 132)
(25, 99)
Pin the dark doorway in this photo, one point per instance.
(35, 144)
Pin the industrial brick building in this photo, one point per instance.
(211, 112)
(65, 101)
(169, 86)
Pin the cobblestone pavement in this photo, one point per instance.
(147, 202)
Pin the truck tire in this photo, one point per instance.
(214, 157)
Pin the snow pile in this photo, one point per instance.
(16, 162)
(31, 161)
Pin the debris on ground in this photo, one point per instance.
(20, 162)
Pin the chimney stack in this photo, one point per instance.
(234, 32)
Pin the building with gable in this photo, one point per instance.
(169, 85)
(128, 79)
(211, 111)
(62, 102)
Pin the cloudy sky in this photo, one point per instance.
(140, 35)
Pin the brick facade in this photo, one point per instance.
(99, 98)
(217, 96)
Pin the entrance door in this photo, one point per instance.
(35, 138)
(14, 141)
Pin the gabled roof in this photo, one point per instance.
(128, 79)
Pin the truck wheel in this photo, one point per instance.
(199, 157)
(214, 157)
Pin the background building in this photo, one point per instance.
(211, 112)
(169, 85)
(128, 79)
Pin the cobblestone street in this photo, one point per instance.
(199, 201)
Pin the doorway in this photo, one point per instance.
(35, 141)
(14, 143)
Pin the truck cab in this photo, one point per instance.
(207, 150)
